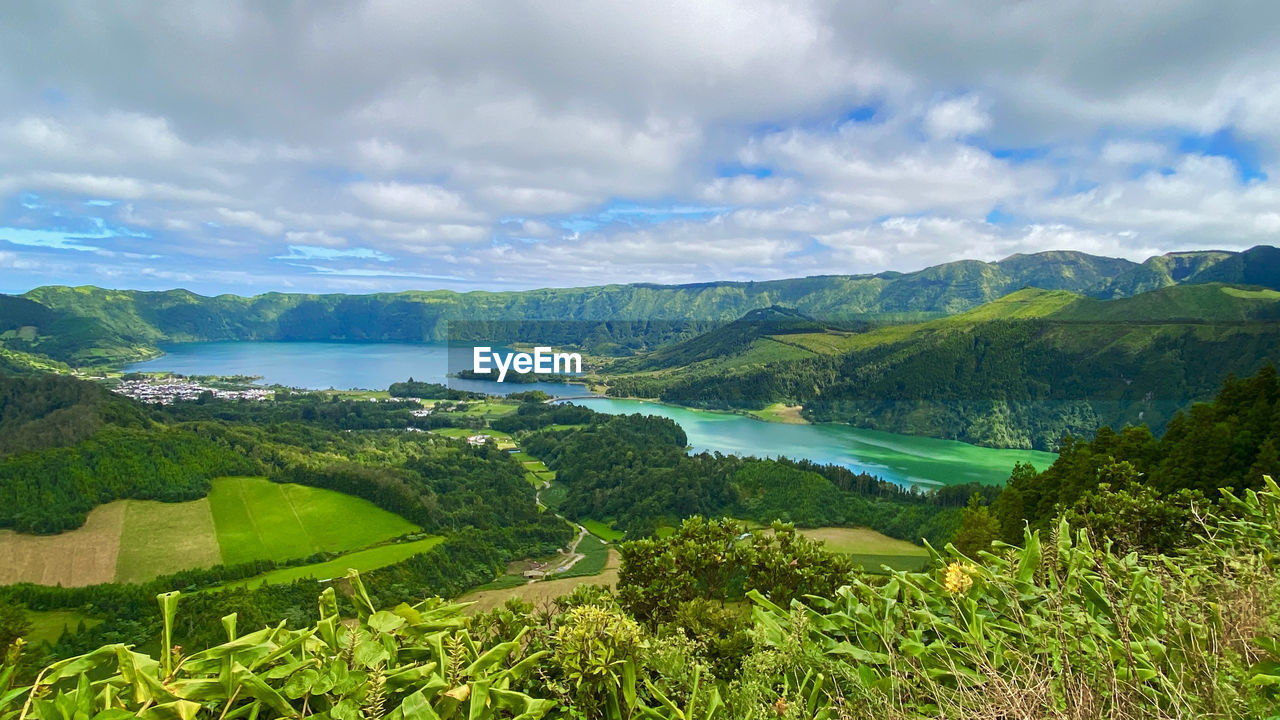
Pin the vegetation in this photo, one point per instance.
(93, 326)
(1055, 627)
(1129, 480)
(1020, 372)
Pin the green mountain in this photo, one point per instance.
(1018, 372)
(89, 326)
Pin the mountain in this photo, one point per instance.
(1018, 372)
(88, 326)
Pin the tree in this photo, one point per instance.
(978, 528)
(13, 625)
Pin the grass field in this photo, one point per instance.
(602, 530)
(856, 540)
(782, 413)
(161, 538)
(540, 593)
(85, 556)
(259, 519)
(595, 555)
(362, 560)
(242, 519)
(49, 625)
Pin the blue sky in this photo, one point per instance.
(359, 147)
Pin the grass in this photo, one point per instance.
(49, 625)
(86, 556)
(258, 519)
(161, 538)
(601, 530)
(503, 582)
(540, 593)
(362, 560)
(863, 541)
(781, 413)
(595, 556)
(872, 563)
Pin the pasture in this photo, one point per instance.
(242, 519)
(257, 519)
(362, 560)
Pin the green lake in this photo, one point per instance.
(904, 459)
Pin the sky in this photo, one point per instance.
(355, 146)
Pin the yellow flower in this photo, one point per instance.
(958, 577)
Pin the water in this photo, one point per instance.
(340, 366)
(903, 459)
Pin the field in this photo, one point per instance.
(870, 548)
(780, 412)
(86, 556)
(161, 538)
(601, 530)
(48, 625)
(258, 519)
(362, 560)
(540, 593)
(242, 519)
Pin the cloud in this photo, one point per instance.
(575, 143)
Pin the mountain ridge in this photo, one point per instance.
(115, 326)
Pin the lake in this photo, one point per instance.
(336, 365)
(903, 459)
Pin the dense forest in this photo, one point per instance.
(1151, 486)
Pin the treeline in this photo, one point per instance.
(430, 391)
(452, 487)
(634, 471)
(1231, 442)
(53, 490)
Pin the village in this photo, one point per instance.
(166, 392)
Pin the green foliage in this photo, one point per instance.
(1229, 442)
(410, 662)
(978, 528)
(13, 625)
(429, 391)
(1062, 629)
(719, 560)
(1020, 372)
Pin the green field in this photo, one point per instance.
(49, 625)
(258, 519)
(362, 560)
(595, 555)
(602, 530)
(870, 549)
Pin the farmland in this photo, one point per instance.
(257, 519)
(362, 560)
(81, 557)
(242, 519)
(870, 548)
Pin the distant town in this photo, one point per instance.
(166, 392)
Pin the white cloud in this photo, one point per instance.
(959, 117)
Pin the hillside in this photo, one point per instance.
(1018, 372)
(94, 326)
